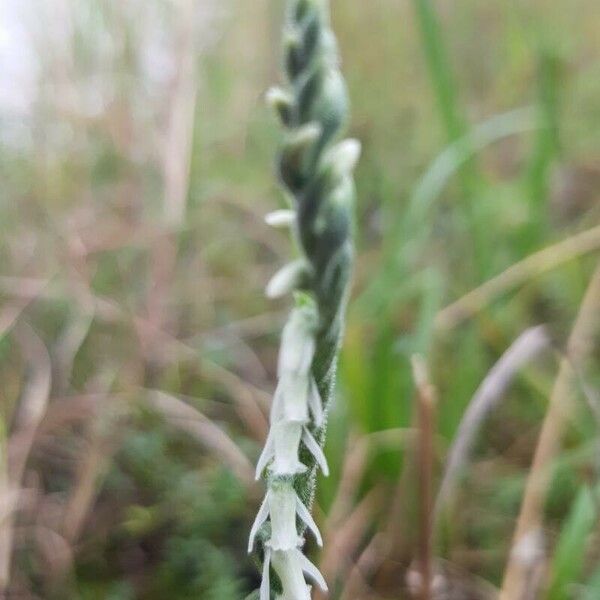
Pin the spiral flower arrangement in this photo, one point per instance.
(316, 171)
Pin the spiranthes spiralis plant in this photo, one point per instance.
(316, 171)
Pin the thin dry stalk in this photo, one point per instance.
(516, 275)
(529, 524)
(487, 397)
(68, 346)
(30, 413)
(248, 398)
(176, 164)
(368, 562)
(251, 401)
(426, 455)
(91, 469)
(180, 130)
(344, 541)
(56, 552)
(10, 314)
(353, 471)
(352, 474)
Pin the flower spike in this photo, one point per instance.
(315, 169)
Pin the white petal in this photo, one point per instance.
(312, 571)
(261, 517)
(307, 518)
(265, 586)
(286, 280)
(315, 403)
(315, 450)
(281, 218)
(266, 455)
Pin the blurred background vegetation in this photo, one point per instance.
(137, 352)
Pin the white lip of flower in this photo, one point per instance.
(282, 447)
(291, 567)
(295, 397)
(282, 505)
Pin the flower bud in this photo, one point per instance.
(297, 155)
(282, 103)
(281, 218)
(287, 279)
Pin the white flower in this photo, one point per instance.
(282, 505)
(290, 402)
(298, 342)
(282, 447)
(291, 567)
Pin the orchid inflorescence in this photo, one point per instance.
(316, 171)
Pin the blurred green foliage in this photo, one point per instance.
(506, 93)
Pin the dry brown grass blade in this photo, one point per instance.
(11, 313)
(519, 273)
(370, 559)
(529, 523)
(55, 551)
(344, 504)
(251, 402)
(193, 422)
(68, 346)
(81, 498)
(179, 135)
(91, 469)
(426, 409)
(353, 471)
(31, 410)
(527, 346)
(343, 541)
(66, 411)
(175, 166)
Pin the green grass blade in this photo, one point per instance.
(570, 550)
